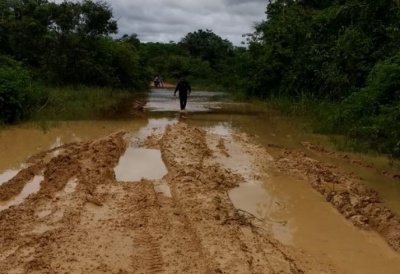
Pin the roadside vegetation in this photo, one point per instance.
(339, 61)
(59, 60)
(336, 62)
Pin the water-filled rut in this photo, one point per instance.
(214, 191)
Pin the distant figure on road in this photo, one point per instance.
(184, 89)
(157, 81)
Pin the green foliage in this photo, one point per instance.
(207, 46)
(69, 43)
(373, 114)
(15, 91)
(77, 103)
(200, 56)
(323, 49)
(330, 52)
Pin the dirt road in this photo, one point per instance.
(83, 220)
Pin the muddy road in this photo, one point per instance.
(202, 194)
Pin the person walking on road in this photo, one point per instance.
(184, 89)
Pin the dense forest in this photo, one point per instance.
(341, 55)
(343, 52)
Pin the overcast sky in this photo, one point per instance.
(170, 20)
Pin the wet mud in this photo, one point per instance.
(82, 219)
(201, 197)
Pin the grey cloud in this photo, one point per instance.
(170, 20)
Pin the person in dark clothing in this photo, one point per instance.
(184, 89)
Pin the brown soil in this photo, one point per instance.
(347, 193)
(100, 225)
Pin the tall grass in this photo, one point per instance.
(318, 117)
(77, 103)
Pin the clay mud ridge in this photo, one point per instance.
(83, 220)
(347, 193)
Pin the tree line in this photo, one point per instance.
(342, 53)
(345, 52)
(43, 43)
(60, 44)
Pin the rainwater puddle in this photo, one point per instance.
(222, 129)
(138, 163)
(252, 197)
(30, 188)
(297, 215)
(316, 227)
(154, 126)
(162, 100)
(7, 175)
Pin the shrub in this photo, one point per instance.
(373, 113)
(15, 91)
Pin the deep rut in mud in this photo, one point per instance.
(83, 220)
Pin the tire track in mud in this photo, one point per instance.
(201, 192)
(105, 226)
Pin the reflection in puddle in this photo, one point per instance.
(138, 163)
(222, 129)
(7, 175)
(252, 197)
(30, 188)
(199, 101)
(154, 126)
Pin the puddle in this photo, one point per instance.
(162, 100)
(316, 227)
(293, 212)
(154, 126)
(297, 215)
(222, 129)
(250, 197)
(18, 143)
(7, 175)
(30, 188)
(138, 163)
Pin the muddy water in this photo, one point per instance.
(19, 142)
(293, 212)
(31, 187)
(140, 163)
(315, 226)
(7, 175)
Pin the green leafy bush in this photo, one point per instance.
(15, 89)
(373, 113)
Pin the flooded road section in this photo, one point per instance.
(140, 163)
(244, 140)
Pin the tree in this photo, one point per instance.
(15, 91)
(206, 45)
